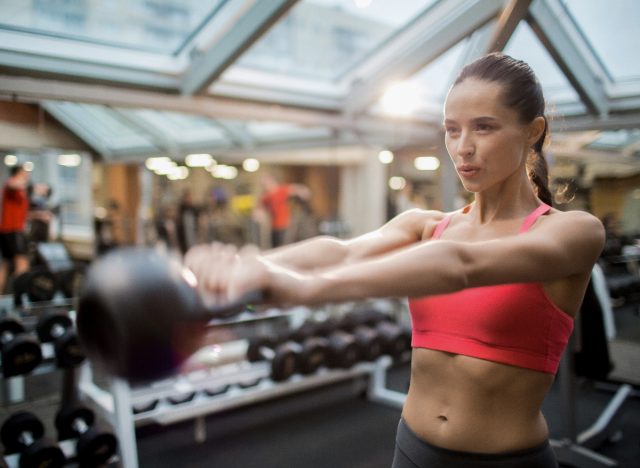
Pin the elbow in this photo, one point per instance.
(462, 268)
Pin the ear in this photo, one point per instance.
(535, 130)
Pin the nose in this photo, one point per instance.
(466, 145)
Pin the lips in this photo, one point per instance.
(467, 170)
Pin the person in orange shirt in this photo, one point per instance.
(13, 241)
(276, 201)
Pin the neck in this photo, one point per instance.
(513, 198)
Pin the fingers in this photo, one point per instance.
(212, 264)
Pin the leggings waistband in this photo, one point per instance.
(423, 454)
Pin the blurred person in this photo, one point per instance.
(188, 222)
(13, 241)
(40, 214)
(275, 199)
(221, 223)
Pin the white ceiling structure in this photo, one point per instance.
(140, 78)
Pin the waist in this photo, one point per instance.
(423, 453)
(468, 404)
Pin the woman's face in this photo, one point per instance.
(485, 139)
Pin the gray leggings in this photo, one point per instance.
(413, 452)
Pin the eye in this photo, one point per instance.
(451, 130)
(483, 127)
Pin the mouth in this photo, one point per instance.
(468, 171)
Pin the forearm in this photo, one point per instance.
(312, 254)
(420, 270)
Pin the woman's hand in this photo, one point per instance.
(225, 273)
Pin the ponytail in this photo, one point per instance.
(538, 170)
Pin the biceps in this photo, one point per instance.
(527, 259)
(383, 240)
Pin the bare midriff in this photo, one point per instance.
(468, 404)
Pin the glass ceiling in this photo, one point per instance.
(150, 25)
(611, 28)
(325, 38)
(310, 55)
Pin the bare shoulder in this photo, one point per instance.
(575, 227)
(417, 221)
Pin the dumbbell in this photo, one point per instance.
(140, 316)
(23, 433)
(285, 358)
(94, 447)
(55, 326)
(396, 339)
(71, 281)
(311, 353)
(38, 284)
(342, 350)
(21, 353)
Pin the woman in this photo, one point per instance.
(494, 286)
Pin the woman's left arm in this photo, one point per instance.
(564, 245)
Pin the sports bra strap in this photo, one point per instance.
(529, 220)
(441, 226)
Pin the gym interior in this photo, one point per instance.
(164, 124)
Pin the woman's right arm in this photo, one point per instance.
(324, 251)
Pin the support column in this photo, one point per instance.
(363, 193)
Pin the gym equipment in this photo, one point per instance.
(289, 357)
(57, 327)
(140, 316)
(23, 433)
(93, 447)
(20, 353)
(578, 449)
(343, 350)
(395, 338)
(38, 284)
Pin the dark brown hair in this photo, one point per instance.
(523, 93)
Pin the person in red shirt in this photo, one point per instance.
(276, 201)
(13, 218)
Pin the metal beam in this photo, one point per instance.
(513, 13)
(610, 122)
(439, 29)
(14, 62)
(159, 138)
(79, 130)
(566, 45)
(220, 55)
(36, 90)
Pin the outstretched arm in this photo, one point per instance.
(324, 251)
(564, 245)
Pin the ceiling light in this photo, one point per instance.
(385, 157)
(397, 183)
(69, 160)
(153, 163)
(11, 160)
(251, 165)
(426, 163)
(178, 173)
(198, 160)
(28, 166)
(222, 171)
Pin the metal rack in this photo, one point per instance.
(116, 404)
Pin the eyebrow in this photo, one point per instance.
(483, 118)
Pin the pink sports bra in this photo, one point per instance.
(515, 324)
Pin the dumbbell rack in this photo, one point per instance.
(117, 403)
